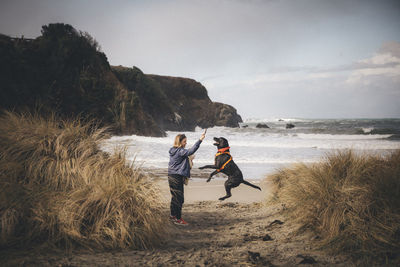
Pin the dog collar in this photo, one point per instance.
(222, 150)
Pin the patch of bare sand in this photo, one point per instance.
(241, 231)
(200, 190)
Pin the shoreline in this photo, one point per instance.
(199, 175)
(199, 190)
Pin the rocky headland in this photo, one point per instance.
(64, 72)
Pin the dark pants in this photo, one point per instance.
(176, 187)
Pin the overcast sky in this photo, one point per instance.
(304, 58)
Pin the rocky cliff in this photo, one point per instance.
(63, 71)
(175, 103)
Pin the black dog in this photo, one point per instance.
(225, 164)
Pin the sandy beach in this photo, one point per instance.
(241, 231)
(199, 190)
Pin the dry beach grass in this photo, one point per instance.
(57, 187)
(351, 201)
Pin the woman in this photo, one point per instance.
(178, 170)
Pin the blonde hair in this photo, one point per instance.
(178, 140)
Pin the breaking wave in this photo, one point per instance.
(258, 151)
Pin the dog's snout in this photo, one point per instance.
(216, 139)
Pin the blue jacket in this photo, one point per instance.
(178, 159)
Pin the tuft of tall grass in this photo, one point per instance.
(57, 186)
(352, 201)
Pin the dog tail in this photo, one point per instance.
(252, 185)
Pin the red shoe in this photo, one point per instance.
(181, 222)
(172, 218)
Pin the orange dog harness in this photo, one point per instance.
(223, 151)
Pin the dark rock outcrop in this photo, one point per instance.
(262, 125)
(306, 259)
(225, 115)
(289, 126)
(63, 71)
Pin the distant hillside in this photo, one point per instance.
(64, 71)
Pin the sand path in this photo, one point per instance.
(237, 232)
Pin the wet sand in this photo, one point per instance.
(199, 190)
(240, 231)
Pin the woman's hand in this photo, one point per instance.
(203, 135)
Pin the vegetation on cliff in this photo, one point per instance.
(64, 71)
(351, 201)
(58, 187)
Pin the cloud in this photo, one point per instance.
(381, 59)
(382, 65)
(392, 48)
(369, 87)
(289, 77)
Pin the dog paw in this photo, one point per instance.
(225, 197)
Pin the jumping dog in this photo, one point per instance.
(224, 163)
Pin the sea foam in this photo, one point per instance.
(259, 151)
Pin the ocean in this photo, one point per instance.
(259, 151)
